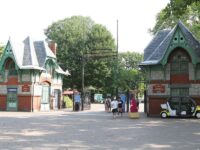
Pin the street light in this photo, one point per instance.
(83, 80)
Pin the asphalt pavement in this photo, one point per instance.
(95, 129)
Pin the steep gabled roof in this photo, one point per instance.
(42, 52)
(155, 51)
(29, 54)
(191, 39)
(158, 38)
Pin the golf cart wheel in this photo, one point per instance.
(163, 115)
(198, 115)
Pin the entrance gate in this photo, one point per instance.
(12, 99)
(45, 106)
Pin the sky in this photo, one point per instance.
(22, 18)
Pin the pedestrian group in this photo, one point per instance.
(114, 105)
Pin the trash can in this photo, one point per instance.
(77, 106)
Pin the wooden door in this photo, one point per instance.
(45, 106)
(12, 102)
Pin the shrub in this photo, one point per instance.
(68, 102)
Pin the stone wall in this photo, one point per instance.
(194, 90)
(157, 75)
(26, 77)
(3, 90)
(37, 90)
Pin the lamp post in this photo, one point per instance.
(83, 80)
(117, 71)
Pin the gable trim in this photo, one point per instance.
(172, 46)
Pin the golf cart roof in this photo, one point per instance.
(180, 98)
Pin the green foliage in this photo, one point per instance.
(1, 50)
(77, 36)
(179, 7)
(68, 102)
(130, 76)
(188, 11)
(130, 60)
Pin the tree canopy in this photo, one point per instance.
(186, 10)
(129, 73)
(77, 36)
(1, 50)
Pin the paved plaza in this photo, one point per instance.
(95, 130)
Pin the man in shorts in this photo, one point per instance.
(114, 105)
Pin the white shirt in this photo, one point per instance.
(114, 104)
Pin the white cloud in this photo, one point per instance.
(30, 17)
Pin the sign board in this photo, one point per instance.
(98, 97)
(12, 89)
(77, 98)
(158, 88)
(25, 88)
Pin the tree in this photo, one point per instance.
(179, 7)
(188, 11)
(77, 36)
(1, 50)
(130, 76)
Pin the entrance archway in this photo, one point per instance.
(179, 61)
(45, 99)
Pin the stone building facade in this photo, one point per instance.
(172, 67)
(30, 78)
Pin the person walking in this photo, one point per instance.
(108, 104)
(114, 105)
(120, 104)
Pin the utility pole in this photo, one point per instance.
(83, 85)
(98, 55)
(117, 71)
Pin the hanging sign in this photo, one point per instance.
(25, 88)
(158, 88)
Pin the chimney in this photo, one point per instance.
(53, 46)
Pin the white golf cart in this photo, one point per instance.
(180, 107)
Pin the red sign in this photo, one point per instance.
(158, 88)
(25, 88)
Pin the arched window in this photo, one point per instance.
(49, 67)
(179, 72)
(179, 62)
(12, 70)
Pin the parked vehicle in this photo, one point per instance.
(180, 107)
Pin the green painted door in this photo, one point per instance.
(12, 101)
(45, 106)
